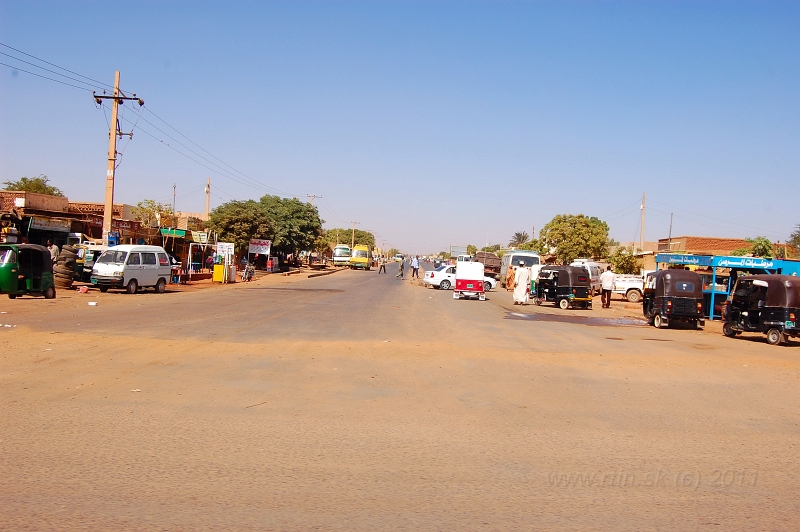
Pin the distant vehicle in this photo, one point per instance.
(131, 267)
(768, 304)
(399, 257)
(491, 263)
(530, 258)
(341, 255)
(444, 277)
(673, 296)
(594, 270)
(469, 281)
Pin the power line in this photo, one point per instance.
(54, 65)
(47, 69)
(45, 77)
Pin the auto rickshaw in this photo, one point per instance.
(672, 296)
(26, 269)
(565, 286)
(767, 304)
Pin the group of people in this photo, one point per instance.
(519, 279)
(401, 268)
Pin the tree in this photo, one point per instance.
(345, 236)
(393, 252)
(518, 239)
(494, 248)
(239, 221)
(624, 261)
(794, 238)
(36, 184)
(573, 236)
(471, 250)
(532, 245)
(296, 224)
(153, 214)
(759, 246)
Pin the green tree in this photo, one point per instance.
(794, 238)
(532, 245)
(36, 184)
(296, 224)
(345, 236)
(573, 236)
(624, 261)
(494, 248)
(393, 252)
(152, 213)
(471, 250)
(239, 221)
(759, 246)
(518, 239)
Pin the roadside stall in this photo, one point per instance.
(719, 273)
(225, 268)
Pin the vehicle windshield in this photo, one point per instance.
(529, 261)
(359, 254)
(112, 257)
(7, 256)
(341, 252)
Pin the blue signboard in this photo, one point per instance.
(689, 260)
(744, 262)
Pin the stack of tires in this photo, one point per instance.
(64, 268)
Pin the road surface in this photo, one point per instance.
(358, 401)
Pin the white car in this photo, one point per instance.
(444, 277)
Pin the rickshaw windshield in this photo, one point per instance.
(113, 257)
(7, 256)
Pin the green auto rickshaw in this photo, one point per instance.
(26, 269)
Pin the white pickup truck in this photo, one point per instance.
(630, 286)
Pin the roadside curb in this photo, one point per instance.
(320, 274)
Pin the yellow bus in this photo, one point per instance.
(361, 257)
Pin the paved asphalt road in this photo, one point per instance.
(359, 401)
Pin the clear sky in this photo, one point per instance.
(430, 123)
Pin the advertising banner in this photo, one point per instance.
(261, 247)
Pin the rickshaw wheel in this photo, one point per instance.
(657, 323)
(104, 289)
(537, 301)
(774, 336)
(12, 296)
(728, 330)
(564, 304)
(50, 293)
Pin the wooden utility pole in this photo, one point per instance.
(117, 98)
(311, 198)
(208, 196)
(174, 193)
(641, 237)
(352, 245)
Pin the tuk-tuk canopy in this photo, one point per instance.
(567, 275)
(676, 283)
(32, 250)
(782, 290)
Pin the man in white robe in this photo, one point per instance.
(522, 283)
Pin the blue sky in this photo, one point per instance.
(430, 123)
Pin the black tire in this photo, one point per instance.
(584, 306)
(50, 293)
(728, 330)
(633, 296)
(161, 286)
(58, 269)
(69, 249)
(12, 296)
(132, 286)
(563, 304)
(487, 286)
(104, 289)
(774, 336)
(65, 255)
(657, 323)
(537, 301)
(445, 285)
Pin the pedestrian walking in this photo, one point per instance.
(400, 273)
(607, 280)
(382, 261)
(510, 278)
(415, 267)
(522, 284)
(53, 251)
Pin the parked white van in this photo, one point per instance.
(530, 258)
(131, 267)
(594, 270)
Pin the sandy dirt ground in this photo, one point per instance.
(358, 401)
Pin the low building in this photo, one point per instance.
(701, 245)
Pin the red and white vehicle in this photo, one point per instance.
(469, 281)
